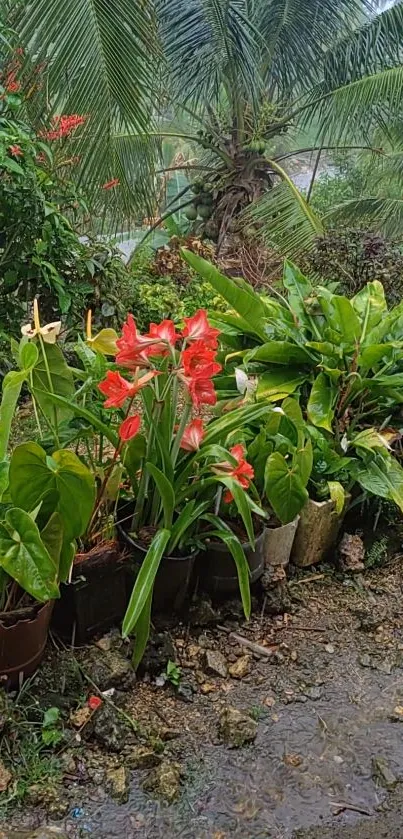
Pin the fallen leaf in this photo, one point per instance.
(5, 777)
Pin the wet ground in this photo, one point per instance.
(327, 760)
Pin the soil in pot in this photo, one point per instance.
(97, 596)
(217, 570)
(23, 636)
(175, 573)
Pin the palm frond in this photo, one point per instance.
(100, 61)
(379, 213)
(285, 220)
(208, 43)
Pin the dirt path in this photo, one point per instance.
(327, 760)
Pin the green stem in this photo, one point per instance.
(49, 377)
(179, 434)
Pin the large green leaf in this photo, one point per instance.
(320, 407)
(284, 488)
(61, 482)
(24, 556)
(52, 537)
(370, 306)
(12, 385)
(279, 352)
(166, 492)
(341, 316)
(59, 381)
(382, 476)
(243, 506)
(145, 581)
(245, 302)
(223, 532)
(277, 384)
(303, 460)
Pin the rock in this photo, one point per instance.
(110, 728)
(185, 691)
(208, 687)
(108, 669)
(58, 808)
(5, 777)
(164, 781)
(58, 683)
(204, 642)
(236, 728)
(329, 648)
(240, 668)
(117, 781)
(293, 760)
(81, 716)
(397, 714)
(142, 757)
(315, 692)
(351, 553)
(159, 651)
(365, 660)
(382, 773)
(215, 663)
(202, 613)
(370, 621)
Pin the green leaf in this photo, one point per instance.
(292, 410)
(79, 411)
(320, 408)
(63, 482)
(24, 556)
(143, 586)
(52, 537)
(276, 384)
(4, 469)
(303, 460)
(242, 505)
(142, 632)
(370, 439)
(299, 288)
(50, 717)
(370, 305)
(185, 521)
(284, 488)
(60, 383)
(374, 354)
(337, 495)
(340, 316)
(219, 428)
(28, 355)
(166, 492)
(279, 352)
(67, 555)
(12, 384)
(223, 531)
(245, 302)
(384, 477)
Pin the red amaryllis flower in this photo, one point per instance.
(129, 427)
(198, 361)
(243, 472)
(111, 184)
(16, 151)
(193, 435)
(202, 392)
(134, 348)
(165, 331)
(197, 328)
(118, 389)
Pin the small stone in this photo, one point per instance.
(118, 784)
(292, 760)
(269, 701)
(365, 660)
(193, 651)
(142, 757)
(236, 728)
(202, 613)
(5, 777)
(208, 687)
(110, 728)
(294, 655)
(104, 644)
(315, 692)
(279, 658)
(164, 781)
(338, 759)
(204, 642)
(215, 663)
(397, 714)
(58, 808)
(329, 648)
(185, 691)
(240, 668)
(81, 716)
(109, 670)
(382, 773)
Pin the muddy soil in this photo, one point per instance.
(327, 759)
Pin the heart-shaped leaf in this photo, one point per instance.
(24, 556)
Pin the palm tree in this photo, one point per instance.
(245, 75)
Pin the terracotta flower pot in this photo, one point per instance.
(23, 636)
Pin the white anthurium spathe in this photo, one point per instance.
(48, 333)
(245, 385)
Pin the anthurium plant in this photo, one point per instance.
(341, 358)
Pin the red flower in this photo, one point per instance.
(193, 435)
(118, 389)
(13, 85)
(129, 427)
(63, 125)
(165, 331)
(243, 472)
(198, 361)
(111, 184)
(197, 328)
(16, 151)
(134, 348)
(202, 392)
(94, 702)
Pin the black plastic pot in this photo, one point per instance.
(23, 636)
(217, 569)
(172, 581)
(97, 596)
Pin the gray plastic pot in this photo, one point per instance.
(317, 532)
(279, 542)
(217, 569)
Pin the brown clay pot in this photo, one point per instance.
(23, 636)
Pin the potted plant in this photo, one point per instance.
(45, 506)
(174, 461)
(341, 357)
